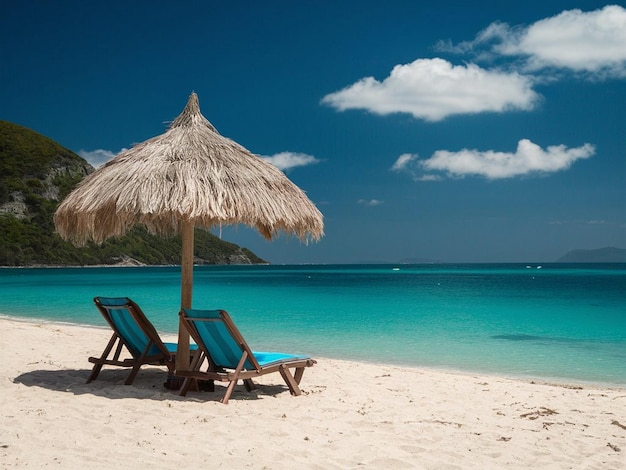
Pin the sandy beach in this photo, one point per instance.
(350, 415)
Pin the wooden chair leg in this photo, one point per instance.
(229, 391)
(133, 373)
(190, 383)
(249, 385)
(118, 350)
(185, 386)
(138, 363)
(235, 378)
(290, 381)
(197, 358)
(94, 372)
(298, 375)
(98, 366)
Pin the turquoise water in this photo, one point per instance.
(554, 322)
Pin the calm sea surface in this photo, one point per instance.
(557, 321)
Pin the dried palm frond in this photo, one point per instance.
(190, 173)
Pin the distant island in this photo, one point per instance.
(601, 255)
(36, 174)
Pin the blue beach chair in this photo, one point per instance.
(133, 331)
(228, 356)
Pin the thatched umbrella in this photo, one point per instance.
(189, 176)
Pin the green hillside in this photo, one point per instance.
(36, 173)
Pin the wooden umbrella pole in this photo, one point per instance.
(182, 357)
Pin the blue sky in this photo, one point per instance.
(454, 131)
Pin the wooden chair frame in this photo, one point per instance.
(120, 340)
(247, 368)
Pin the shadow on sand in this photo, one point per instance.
(149, 384)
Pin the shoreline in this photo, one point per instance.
(552, 381)
(350, 415)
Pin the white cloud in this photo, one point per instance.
(404, 161)
(98, 157)
(432, 89)
(370, 202)
(592, 42)
(528, 159)
(410, 163)
(428, 178)
(288, 160)
(495, 32)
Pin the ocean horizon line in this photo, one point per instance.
(370, 263)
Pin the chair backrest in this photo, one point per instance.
(129, 322)
(215, 332)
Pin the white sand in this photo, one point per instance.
(351, 415)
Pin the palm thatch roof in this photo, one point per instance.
(188, 174)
